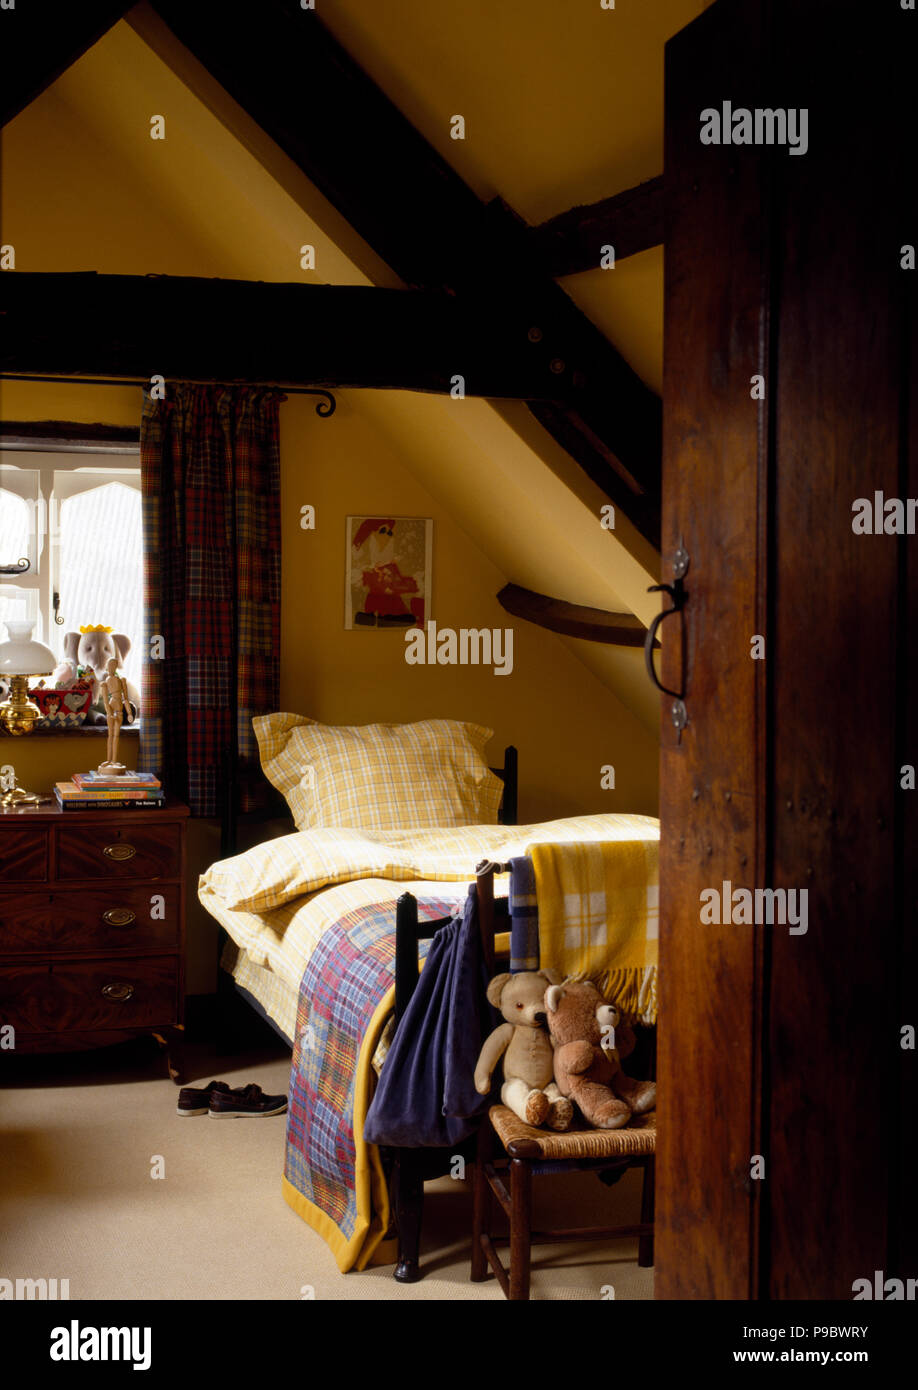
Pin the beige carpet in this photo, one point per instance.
(81, 1134)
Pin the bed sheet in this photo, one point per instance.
(282, 935)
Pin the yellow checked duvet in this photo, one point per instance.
(277, 900)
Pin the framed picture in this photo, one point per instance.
(388, 569)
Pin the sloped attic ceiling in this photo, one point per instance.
(557, 118)
(563, 105)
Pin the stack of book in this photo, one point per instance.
(92, 791)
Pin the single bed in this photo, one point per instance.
(310, 923)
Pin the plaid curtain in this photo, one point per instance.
(210, 463)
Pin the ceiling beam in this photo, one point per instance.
(39, 41)
(573, 619)
(186, 328)
(300, 86)
(629, 222)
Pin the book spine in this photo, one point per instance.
(80, 779)
(70, 803)
(110, 805)
(107, 794)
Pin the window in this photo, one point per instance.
(76, 518)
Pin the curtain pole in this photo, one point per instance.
(325, 407)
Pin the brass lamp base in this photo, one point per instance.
(16, 796)
(19, 713)
(17, 716)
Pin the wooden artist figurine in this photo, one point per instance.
(116, 703)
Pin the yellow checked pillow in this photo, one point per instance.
(379, 776)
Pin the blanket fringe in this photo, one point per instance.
(632, 989)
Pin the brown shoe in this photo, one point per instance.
(196, 1100)
(247, 1101)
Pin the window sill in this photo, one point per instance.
(84, 731)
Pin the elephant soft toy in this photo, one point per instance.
(91, 649)
(588, 1039)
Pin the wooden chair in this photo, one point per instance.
(411, 1168)
(507, 1147)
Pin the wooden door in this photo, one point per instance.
(787, 1102)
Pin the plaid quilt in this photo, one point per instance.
(332, 1178)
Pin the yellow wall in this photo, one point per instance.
(40, 760)
(563, 721)
(70, 204)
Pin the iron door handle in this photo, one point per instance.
(678, 596)
(676, 592)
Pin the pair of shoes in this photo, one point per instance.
(196, 1100)
(219, 1100)
(248, 1100)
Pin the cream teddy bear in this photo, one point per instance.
(529, 1089)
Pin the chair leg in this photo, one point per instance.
(645, 1243)
(481, 1203)
(520, 1227)
(409, 1206)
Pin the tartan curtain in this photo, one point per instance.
(210, 471)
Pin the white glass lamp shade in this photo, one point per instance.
(20, 656)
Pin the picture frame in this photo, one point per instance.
(388, 570)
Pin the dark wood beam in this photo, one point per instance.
(573, 619)
(294, 79)
(185, 328)
(629, 222)
(39, 41)
(601, 465)
(69, 436)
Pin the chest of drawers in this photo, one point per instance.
(92, 927)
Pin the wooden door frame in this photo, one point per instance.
(766, 1190)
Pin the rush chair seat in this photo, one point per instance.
(534, 1152)
(509, 1148)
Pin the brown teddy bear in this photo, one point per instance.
(529, 1089)
(587, 1062)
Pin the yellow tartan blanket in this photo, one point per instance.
(599, 907)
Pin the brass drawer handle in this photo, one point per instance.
(119, 917)
(120, 992)
(119, 852)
